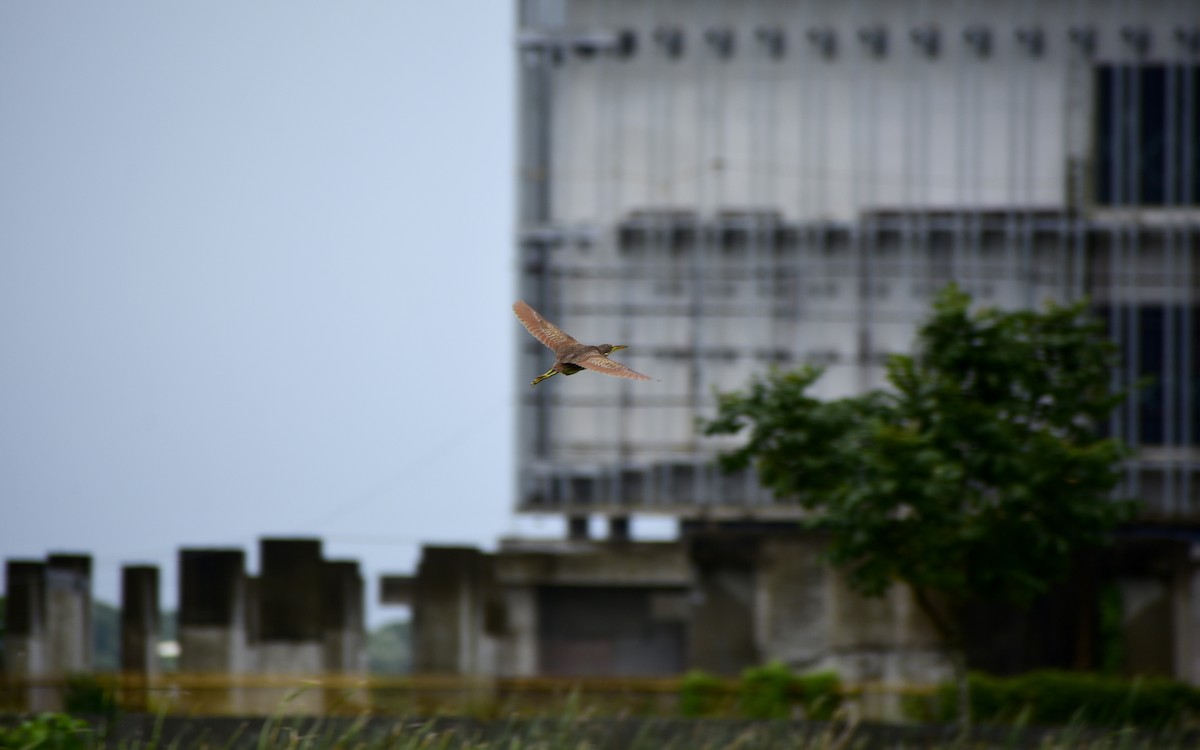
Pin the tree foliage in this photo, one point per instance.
(389, 648)
(976, 474)
(106, 637)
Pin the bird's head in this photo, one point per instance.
(610, 348)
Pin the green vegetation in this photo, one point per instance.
(389, 650)
(90, 695)
(106, 637)
(1112, 643)
(978, 473)
(48, 732)
(702, 694)
(767, 692)
(1060, 698)
(567, 732)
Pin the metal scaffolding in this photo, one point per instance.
(726, 187)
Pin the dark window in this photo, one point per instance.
(1170, 397)
(1147, 135)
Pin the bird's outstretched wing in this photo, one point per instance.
(542, 329)
(601, 363)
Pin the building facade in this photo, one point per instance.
(726, 187)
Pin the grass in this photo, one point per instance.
(564, 732)
(562, 722)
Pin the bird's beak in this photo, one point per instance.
(622, 346)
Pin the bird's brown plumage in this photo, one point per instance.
(570, 355)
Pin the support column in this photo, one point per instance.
(139, 628)
(69, 613)
(448, 611)
(884, 639)
(722, 617)
(212, 622)
(139, 619)
(1186, 595)
(290, 618)
(345, 631)
(25, 632)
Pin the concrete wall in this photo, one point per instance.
(748, 597)
(745, 595)
(727, 601)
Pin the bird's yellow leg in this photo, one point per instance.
(543, 376)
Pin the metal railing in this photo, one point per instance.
(425, 695)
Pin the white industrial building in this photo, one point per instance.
(728, 186)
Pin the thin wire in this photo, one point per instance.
(423, 461)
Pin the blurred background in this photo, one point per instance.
(254, 279)
(257, 266)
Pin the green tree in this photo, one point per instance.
(977, 474)
(106, 637)
(389, 648)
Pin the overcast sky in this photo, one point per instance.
(255, 277)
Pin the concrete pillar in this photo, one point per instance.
(139, 619)
(69, 613)
(722, 623)
(396, 590)
(790, 601)
(344, 621)
(212, 611)
(253, 620)
(1148, 637)
(139, 630)
(345, 634)
(290, 611)
(1186, 595)
(448, 612)
(291, 623)
(25, 654)
(518, 650)
(212, 622)
(886, 640)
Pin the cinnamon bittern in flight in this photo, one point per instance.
(570, 356)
